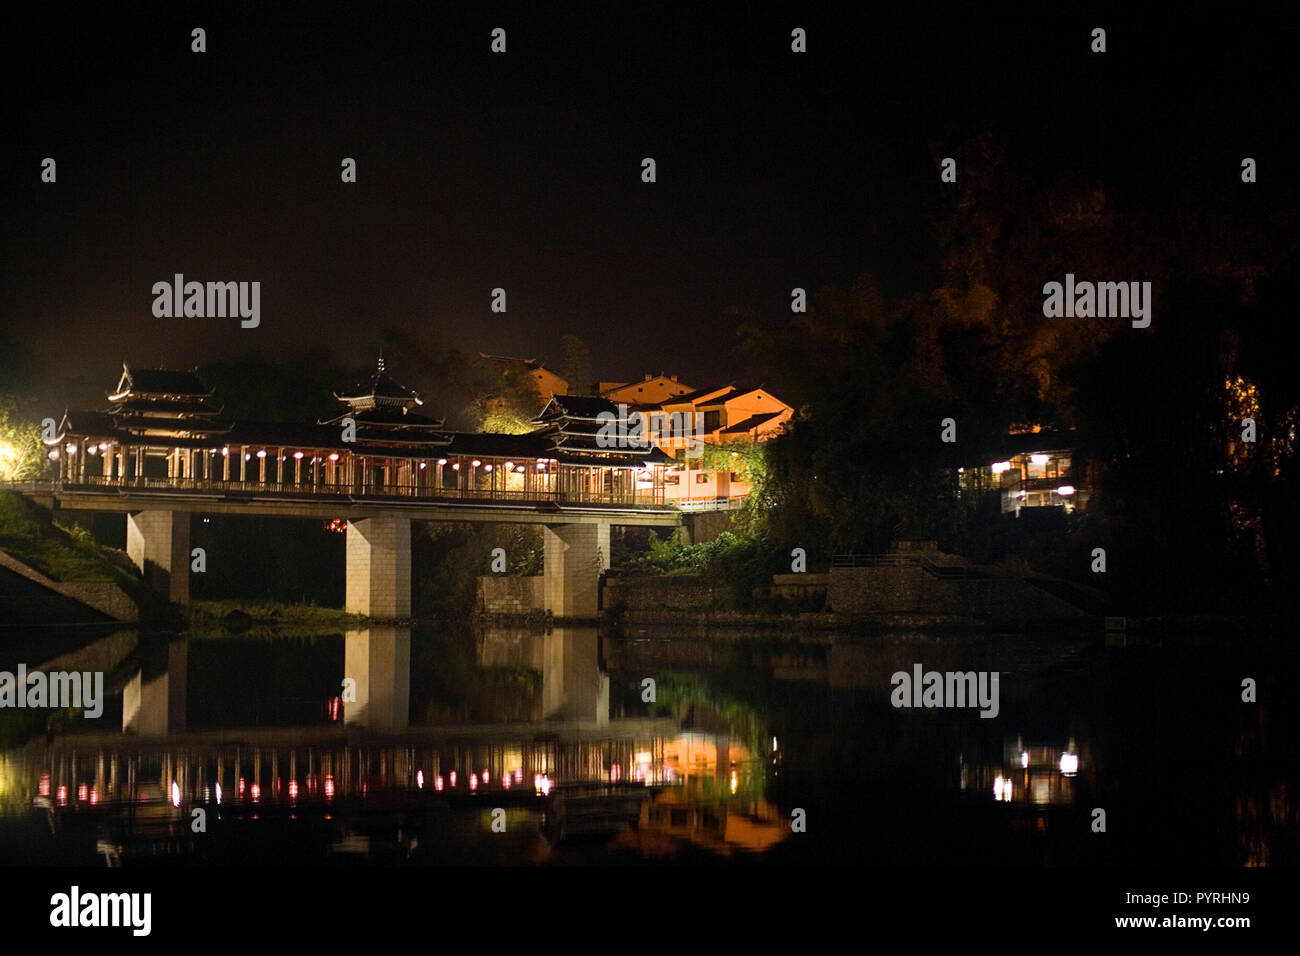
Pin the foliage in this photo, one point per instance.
(22, 453)
(507, 421)
(734, 563)
(34, 539)
(449, 558)
(575, 366)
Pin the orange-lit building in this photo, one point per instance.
(650, 390)
(721, 415)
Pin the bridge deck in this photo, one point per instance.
(293, 500)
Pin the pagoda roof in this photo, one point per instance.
(584, 408)
(326, 437)
(387, 416)
(381, 385)
(155, 405)
(158, 381)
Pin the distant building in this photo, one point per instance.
(652, 389)
(1030, 468)
(723, 414)
(545, 382)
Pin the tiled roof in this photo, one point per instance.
(750, 423)
(161, 381)
(700, 393)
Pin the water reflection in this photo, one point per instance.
(377, 661)
(439, 728)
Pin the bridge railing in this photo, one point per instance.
(720, 503)
(345, 492)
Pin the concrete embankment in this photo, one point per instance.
(26, 593)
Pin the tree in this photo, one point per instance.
(575, 367)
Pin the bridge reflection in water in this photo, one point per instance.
(549, 729)
(571, 774)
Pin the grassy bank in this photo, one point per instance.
(215, 619)
(64, 555)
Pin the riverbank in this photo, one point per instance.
(218, 619)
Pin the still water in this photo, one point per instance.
(443, 745)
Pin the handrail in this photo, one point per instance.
(342, 492)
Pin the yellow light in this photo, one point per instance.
(1000, 466)
(1038, 459)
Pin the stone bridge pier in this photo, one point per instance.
(576, 555)
(379, 568)
(159, 544)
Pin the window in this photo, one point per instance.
(702, 478)
(672, 480)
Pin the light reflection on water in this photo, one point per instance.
(432, 731)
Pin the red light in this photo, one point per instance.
(473, 781)
(45, 785)
(241, 786)
(83, 791)
(329, 787)
(94, 797)
(437, 782)
(293, 789)
(62, 795)
(257, 793)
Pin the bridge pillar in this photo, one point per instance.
(159, 544)
(379, 567)
(575, 555)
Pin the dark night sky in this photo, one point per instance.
(523, 170)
